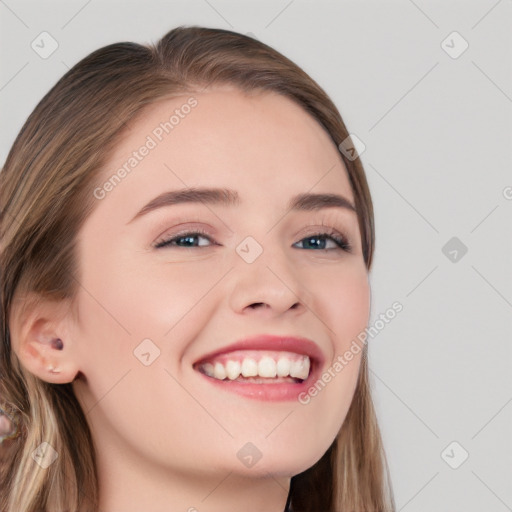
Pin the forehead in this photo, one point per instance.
(253, 142)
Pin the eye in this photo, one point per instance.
(186, 239)
(200, 238)
(319, 241)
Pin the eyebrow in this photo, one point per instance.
(228, 197)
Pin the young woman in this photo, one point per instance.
(185, 255)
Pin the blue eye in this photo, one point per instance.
(316, 241)
(320, 240)
(184, 240)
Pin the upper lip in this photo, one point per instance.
(296, 344)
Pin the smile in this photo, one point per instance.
(264, 367)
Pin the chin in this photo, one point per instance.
(277, 463)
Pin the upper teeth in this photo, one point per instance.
(294, 365)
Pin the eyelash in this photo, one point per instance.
(340, 240)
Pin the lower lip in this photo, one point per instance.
(271, 392)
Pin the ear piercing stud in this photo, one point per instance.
(53, 369)
(57, 343)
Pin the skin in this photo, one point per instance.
(166, 438)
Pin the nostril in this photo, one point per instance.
(257, 304)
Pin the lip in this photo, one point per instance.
(271, 391)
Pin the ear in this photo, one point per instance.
(40, 337)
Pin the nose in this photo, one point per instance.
(269, 287)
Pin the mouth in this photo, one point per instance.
(259, 366)
(265, 368)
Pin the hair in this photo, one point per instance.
(45, 196)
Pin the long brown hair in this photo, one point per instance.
(45, 196)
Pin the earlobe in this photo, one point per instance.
(43, 357)
(43, 345)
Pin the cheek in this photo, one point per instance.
(119, 307)
(172, 301)
(342, 301)
(124, 301)
(146, 295)
(350, 309)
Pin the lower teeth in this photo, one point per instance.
(267, 380)
(258, 379)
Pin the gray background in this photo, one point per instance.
(437, 132)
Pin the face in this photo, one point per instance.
(177, 284)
